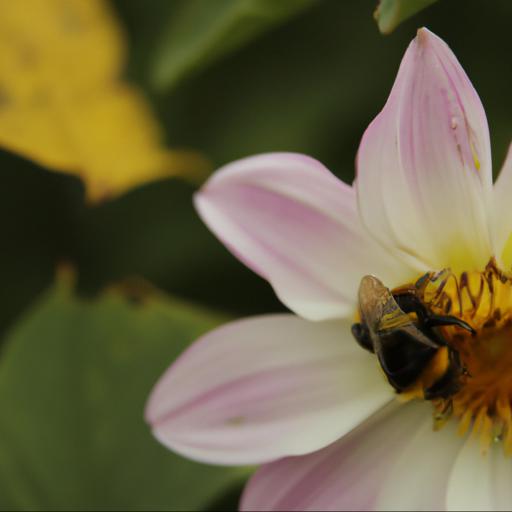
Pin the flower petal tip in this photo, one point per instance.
(423, 34)
(426, 157)
(148, 414)
(226, 401)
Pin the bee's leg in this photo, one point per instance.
(456, 361)
(410, 303)
(440, 320)
(446, 386)
(362, 336)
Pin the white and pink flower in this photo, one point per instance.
(294, 392)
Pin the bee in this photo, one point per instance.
(405, 344)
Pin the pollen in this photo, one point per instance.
(482, 404)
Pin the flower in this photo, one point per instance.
(296, 393)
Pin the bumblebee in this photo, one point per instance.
(403, 334)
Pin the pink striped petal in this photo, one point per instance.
(392, 462)
(424, 176)
(503, 211)
(295, 224)
(259, 389)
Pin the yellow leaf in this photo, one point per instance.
(64, 105)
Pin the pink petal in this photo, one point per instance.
(263, 388)
(503, 211)
(392, 462)
(424, 172)
(295, 224)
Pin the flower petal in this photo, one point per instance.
(501, 477)
(480, 482)
(295, 224)
(424, 176)
(263, 388)
(385, 464)
(503, 212)
(417, 478)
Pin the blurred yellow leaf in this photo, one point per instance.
(64, 105)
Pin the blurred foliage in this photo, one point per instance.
(390, 13)
(62, 102)
(74, 379)
(310, 82)
(202, 31)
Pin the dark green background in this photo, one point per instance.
(311, 83)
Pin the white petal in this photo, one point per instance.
(295, 224)
(424, 177)
(480, 482)
(501, 468)
(503, 211)
(263, 388)
(417, 479)
(362, 470)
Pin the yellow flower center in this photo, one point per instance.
(483, 402)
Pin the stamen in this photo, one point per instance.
(482, 404)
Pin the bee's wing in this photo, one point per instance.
(377, 306)
(373, 296)
(382, 314)
(414, 333)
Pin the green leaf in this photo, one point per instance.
(202, 31)
(390, 13)
(74, 379)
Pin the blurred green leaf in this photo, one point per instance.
(203, 30)
(390, 13)
(74, 379)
